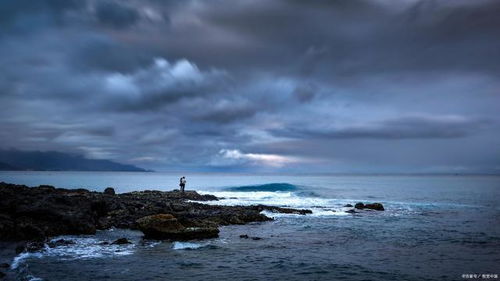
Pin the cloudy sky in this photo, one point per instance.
(255, 85)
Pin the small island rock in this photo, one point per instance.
(109, 191)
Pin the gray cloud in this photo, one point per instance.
(360, 85)
(405, 127)
(115, 14)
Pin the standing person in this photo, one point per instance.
(182, 184)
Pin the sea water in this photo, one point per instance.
(433, 228)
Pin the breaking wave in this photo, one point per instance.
(190, 245)
(269, 187)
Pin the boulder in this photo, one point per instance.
(348, 205)
(166, 226)
(34, 246)
(60, 242)
(121, 241)
(375, 206)
(109, 191)
(359, 205)
(244, 236)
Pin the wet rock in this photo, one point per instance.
(34, 246)
(121, 241)
(375, 206)
(4, 265)
(38, 213)
(359, 205)
(348, 205)
(283, 210)
(351, 211)
(166, 226)
(370, 206)
(109, 191)
(104, 243)
(244, 236)
(2, 275)
(60, 242)
(256, 238)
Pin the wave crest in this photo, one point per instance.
(269, 187)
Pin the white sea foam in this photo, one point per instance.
(19, 259)
(83, 248)
(320, 207)
(187, 245)
(316, 212)
(278, 198)
(34, 278)
(88, 247)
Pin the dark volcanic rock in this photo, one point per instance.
(121, 241)
(60, 242)
(34, 246)
(359, 205)
(109, 191)
(370, 206)
(282, 210)
(375, 206)
(166, 226)
(36, 213)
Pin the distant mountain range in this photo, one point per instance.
(16, 160)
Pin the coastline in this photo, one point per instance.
(31, 216)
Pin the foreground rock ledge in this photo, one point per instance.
(166, 226)
(37, 213)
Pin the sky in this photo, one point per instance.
(338, 86)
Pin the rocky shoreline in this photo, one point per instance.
(31, 216)
(37, 213)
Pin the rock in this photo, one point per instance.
(37, 213)
(371, 206)
(348, 205)
(34, 246)
(109, 191)
(244, 236)
(351, 211)
(2, 275)
(166, 226)
(121, 241)
(4, 265)
(283, 210)
(359, 205)
(60, 242)
(375, 206)
(256, 238)
(104, 243)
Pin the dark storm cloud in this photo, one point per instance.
(116, 14)
(413, 127)
(10, 9)
(291, 85)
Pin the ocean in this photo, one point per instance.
(437, 227)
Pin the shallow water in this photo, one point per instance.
(434, 228)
